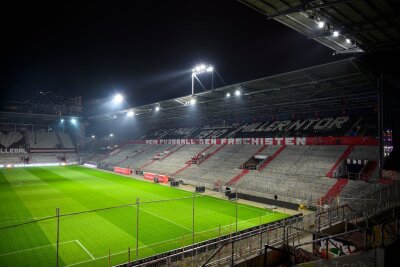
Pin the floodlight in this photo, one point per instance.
(192, 101)
(73, 121)
(348, 41)
(201, 69)
(93, 137)
(158, 108)
(335, 34)
(321, 24)
(62, 120)
(228, 94)
(111, 135)
(130, 113)
(237, 92)
(118, 98)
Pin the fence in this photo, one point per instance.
(115, 235)
(226, 250)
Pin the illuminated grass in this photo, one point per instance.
(87, 237)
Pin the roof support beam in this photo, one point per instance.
(308, 6)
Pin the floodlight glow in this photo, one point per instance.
(238, 93)
(197, 68)
(202, 67)
(335, 34)
(210, 69)
(228, 94)
(348, 41)
(111, 135)
(73, 121)
(115, 116)
(130, 113)
(118, 98)
(321, 24)
(93, 137)
(62, 120)
(192, 101)
(158, 108)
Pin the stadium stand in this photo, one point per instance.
(43, 140)
(66, 140)
(36, 147)
(296, 173)
(11, 139)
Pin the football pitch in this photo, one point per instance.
(99, 217)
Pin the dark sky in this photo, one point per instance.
(143, 49)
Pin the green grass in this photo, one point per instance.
(86, 238)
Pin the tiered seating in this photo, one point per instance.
(126, 151)
(45, 157)
(177, 160)
(364, 152)
(331, 126)
(222, 166)
(10, 138)
(43, 140)
(66, 140)
(144, 157)
(11, 158)
(297, 172)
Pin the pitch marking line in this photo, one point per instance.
(162, 218)
(23, 250)
(161, 242)
(85, 249)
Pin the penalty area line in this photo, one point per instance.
(85, 249)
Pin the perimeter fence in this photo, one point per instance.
(121, 234)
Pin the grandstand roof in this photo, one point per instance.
(344, 84)
(30, 118)
(372, 24)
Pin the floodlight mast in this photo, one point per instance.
(200, 69)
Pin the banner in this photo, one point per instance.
(122, 170)
(156, 177)
(324, 140)
(12, 151)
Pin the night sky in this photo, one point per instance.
(145, 50)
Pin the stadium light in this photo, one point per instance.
(237, 92)
(157, 108)
(228, 94)
(348, 41)
(93, 136)
(335, 34)
(73, 121)
(321, 24)
(130, 113)
(118, 98)
(62, 120)
(111, 135)
(192, 101)
(200, 69)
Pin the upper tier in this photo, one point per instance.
(329, 126)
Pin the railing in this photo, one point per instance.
(357, 176)
(226, 250)
(345, 212)
(327, 241)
